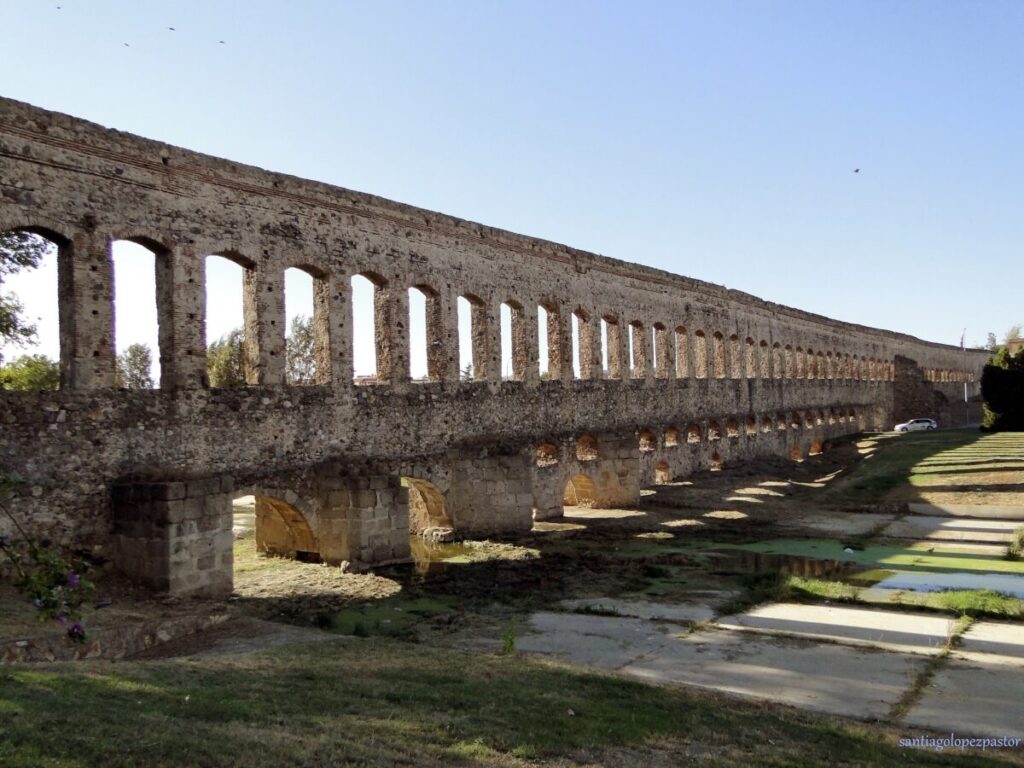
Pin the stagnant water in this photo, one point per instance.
(743, 561)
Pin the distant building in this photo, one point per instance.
(1013, 346)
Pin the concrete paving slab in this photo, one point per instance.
(643, 609)
(963, 547)
(951, 529)
(984, 511)
(586, 513)
(823, 677)
(608, 642)
(835, 524)
(879, 628)
(972, 698)
(993, 642)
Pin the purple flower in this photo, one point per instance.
(76, 632)
(73, 579)
(62, 619)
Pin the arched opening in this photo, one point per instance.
(716, 462)
(809, 420)
(426, 335)
(472, 323)
(718, 356)
(136, 335)
(778, 362)
(795, 422)
(732, 428)
(579, 492)
(647, 441)
(586, 448)
(682, 354)
(232, 355)
(427, 509)
(692, 434)
(662, 473)
(817, 448)
(700, 355)
(822, 366)
(371, 343)
(611, 343)
(751, 425)
(800, 360)
(34, 272)
(546, 455)
(281, 530)
(831, 415)
(781, 422)
(812, 365)
(714, 431)
(268, 524)
(307, 323)
(513, 341)
(796, 454)
(637, 350)
(766, 424)
(830, 367)
(790, 363)
(671, 437)
(819, 418)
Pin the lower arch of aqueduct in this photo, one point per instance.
(694, 374)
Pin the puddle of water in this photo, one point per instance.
(429, 557)
(1006, 584)
(742, 561)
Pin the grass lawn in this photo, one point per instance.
(952, 466)
(384, 702)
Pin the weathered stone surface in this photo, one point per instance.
(717, 375)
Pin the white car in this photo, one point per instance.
(915, 425)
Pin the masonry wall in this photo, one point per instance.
(701, 353)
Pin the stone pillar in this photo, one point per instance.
(392, 315)
(366, 522)
(86, 311)
(175, 537)
(559, 336)
(590, 347)
(447, 353)
(263, 309)
(181, 318)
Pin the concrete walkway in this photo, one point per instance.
(853, 661)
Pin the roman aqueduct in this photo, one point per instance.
(649, 375)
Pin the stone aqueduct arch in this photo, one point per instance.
(148, 476)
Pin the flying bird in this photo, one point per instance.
(221, 42)
(127, 46)
(856, 170)
(172, 29)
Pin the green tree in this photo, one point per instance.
(29, 373)
(300, 366)
(134, 367)
(1002, 387)
(226, 360)
(991, 342)
(18, 251)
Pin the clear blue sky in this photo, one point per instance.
(715, 139)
